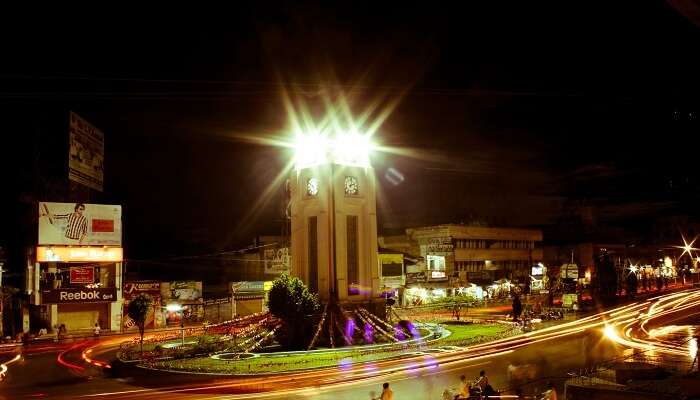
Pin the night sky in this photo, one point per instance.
(516, 116)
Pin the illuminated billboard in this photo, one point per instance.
(79, 254)
(80, 224)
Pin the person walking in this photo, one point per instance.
(550, 393)
(387, 393)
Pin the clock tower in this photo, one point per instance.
(334, 217)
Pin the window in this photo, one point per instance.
(352, 187)
(436, 263)
(352, 260)
(313, 255)
(312, 187)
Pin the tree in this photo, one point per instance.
(292, 302)
(138, 310)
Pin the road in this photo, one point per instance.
(535, 357)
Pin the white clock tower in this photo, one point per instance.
(334, 217)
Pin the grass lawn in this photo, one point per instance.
(273, 364)
(469, 331)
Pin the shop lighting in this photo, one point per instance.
(173, 307)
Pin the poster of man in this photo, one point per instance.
(79, 224)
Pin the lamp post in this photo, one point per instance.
(174, 307)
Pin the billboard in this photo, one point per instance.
(276, 260)
(82, 275)
(182, 291)
(391, 264)
(80, 224)
(86, 154)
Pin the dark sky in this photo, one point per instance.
(515, 113)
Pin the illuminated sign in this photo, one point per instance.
(78, 295)
(82, 275)
(537, 270)
(79, 254)
(437, 274)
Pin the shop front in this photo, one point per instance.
(249, 297)
(76, 279)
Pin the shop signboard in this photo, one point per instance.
(392, 282)
(247, 286)
(133, 289)
(86, 153)
(391, 264)
(277, 261)
(568, 299)
(80, 224)
(214, 302)
(416, 277)
(79, 254)
(78, 295)
(438, 276)
(82, 275)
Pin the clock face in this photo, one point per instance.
(351, 185)
(312, 187)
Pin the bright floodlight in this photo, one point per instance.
(346, 148)
(173, 307)
(310, 149)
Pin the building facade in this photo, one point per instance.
(453, 256)
(74, 277)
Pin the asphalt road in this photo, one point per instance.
(528, 362)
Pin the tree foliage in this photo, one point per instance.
(606, 279)
(292, 302)
(138, 310)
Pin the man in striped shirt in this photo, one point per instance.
(76, 228)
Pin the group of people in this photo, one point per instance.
(477, 389)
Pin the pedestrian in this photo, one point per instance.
(517, 307)
(463, 387)
(387, 394)
(97, 329)
(550, 393)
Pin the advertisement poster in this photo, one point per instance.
(82, 275)
(86, 153)
(182, 291)
(80, 224)
(154, 318)
(277, 261)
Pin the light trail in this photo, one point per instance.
(619, 325)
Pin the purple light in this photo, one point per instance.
(399, 332)
(413, 330)
(369, 333)
(349, 331)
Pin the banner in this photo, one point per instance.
(182, 291)
(80, 224)
(277, 261)
(86, 154)
(247, 286)
(78, 295)
(391, 264)
(82, 275)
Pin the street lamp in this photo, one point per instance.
(174, 307)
